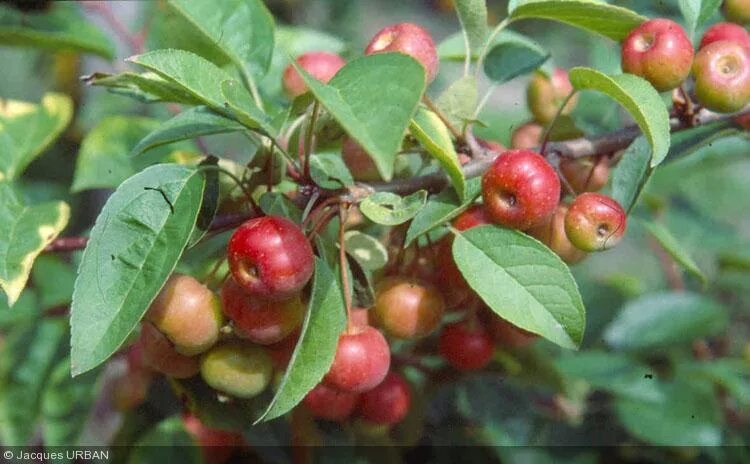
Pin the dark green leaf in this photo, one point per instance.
(632, 173)
(512, 57)
(366, 249)
(473, 17)
(329, 171)
(63, 27)
(277, 204)
(665, 319)
(210, 201)
(168, 441)
(189, 124)
(637, 96)
(592, 15)
(324, 322)
(689, 141)
(24, 232)
(53, 279)
(374, 98)
(522, 281)
(670, 244)
(390, 209)
(135, 244)
(432, 134)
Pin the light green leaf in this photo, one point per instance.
(473, 17)
(513, 56)
(24, 232)
(432, 134)
(241, 105)
(135, 244)
(104, 159)
(240, 29)
(696, 12)
(147, 87)
(366, 249)
(687, 142)
(389, 209)
(189, 124)
(168, 441)
(440, 209)
(277, 204)
(329, 171)
(27, 129)
(632, 173)
(458, 101)
(374, 98)
(522, 281)
(638, 97)
(591, 15)
(316, 348)
(675, 249)
(665, 319)
(63, 27)
(26, 361)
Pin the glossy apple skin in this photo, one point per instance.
(360, 164)
(237, 368)
(217, 445)
(466, 346)
(545, 94)
(320, 65)
(188, 313)
(722, 76)
(737, 11)
(361, 362)
(410, 39)
(406, 307)
(507, 335)
(552, 234)
(388, 403)
(725, 31)
(659, 51)
(328, 403)
(259, 320)
(595, 222)
(520, 190)
(270, 257)
(160, 355)
(527, 136)
(587, 174)
(451, 283)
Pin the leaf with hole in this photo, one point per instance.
(389, 209)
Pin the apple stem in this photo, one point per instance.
(343, 212)
(310, 130)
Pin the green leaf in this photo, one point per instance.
(731, 374)
(389, 209)
(147, 87)
(244, 109)
(665, 319)
(632, 173)
(26, 360)
(27, 129)
(134, 246)
(613, 372)
(63, 27)
(277, 204)
(458, 101)
(638, 97)
(440, 209)
(473, 17)
(522, 281)
(687, 142)
(696, 12)
(591, 15)
(24, 232)
(374, 98)
(194, 75)
(329, 171)
(168, 441)
(66, 404)
(53, 279)
(189, 124)
(670, 244)
(104, 159)
(512, 57)
(366, 249)
(324, 322)
(685, 415)
(432, 134)
(240, 29)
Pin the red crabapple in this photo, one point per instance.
(595, 222)
(362, 360)
(410, 39)
(388, 403)
(320, 65)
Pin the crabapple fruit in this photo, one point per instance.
(410, 39)
(595, 222)
(588, 174)
(406, 307)
(527, 136)
(388, 403)
(216, 445)
(553, 235)
(160, 355)
(270, 257)
(722, 76)
(237, 368)
(737, 11)
(259, 320)
(466, 345)
(520, 189)
(659, 51)
(188, 314)
(725, 31)
(361, 362)
(328, 403)
(545, 94)
(360, 164)
(320, 65)
(508, 335)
